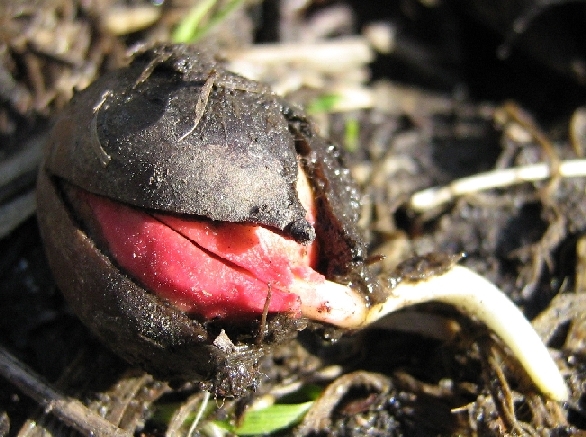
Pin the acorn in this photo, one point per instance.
(192, 219)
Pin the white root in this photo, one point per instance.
(437, 196)
(469, 292)
(480, 299)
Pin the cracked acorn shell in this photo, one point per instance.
(138, 137)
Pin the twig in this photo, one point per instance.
(317, 420)
(497, 384)
(199, 414)
(123, 20)
(16, 211)
(202, 102)
(25, 161)
(518, 115)
(72, 412)
(437, 196)
(181, 414)
(336, 55)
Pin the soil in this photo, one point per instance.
(460, 93)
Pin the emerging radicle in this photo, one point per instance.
(183, 208)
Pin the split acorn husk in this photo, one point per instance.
(174, 133)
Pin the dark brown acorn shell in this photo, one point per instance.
(135, 324)
(121, 138)
(133, 136)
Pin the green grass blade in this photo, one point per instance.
(270, 419)
(191, 29)
(323, 104)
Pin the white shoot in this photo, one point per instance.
(478, 298)
(469, 292)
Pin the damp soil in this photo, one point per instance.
(454, 110)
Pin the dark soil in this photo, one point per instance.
(485, 97)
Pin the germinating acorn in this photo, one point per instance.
(179, 202)
(193, 219)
